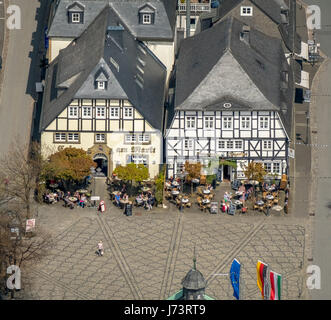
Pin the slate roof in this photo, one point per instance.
(272, 8)
(72, 74)
(127, 11)
(216, 66)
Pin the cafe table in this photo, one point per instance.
(73, 199)
(270, 197)
(206, 191)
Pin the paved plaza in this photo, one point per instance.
(148, 254)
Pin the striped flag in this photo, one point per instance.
(261, 270)
(276, 285)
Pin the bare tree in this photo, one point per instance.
(16, 246)
(19, 172)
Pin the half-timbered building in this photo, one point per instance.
(105, 93)
(231, 99)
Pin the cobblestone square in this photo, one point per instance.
(148, 254)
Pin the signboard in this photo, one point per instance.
(30, 225)
(214, 207)
(95, 198)
(291, 153)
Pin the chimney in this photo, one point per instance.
(244, 34)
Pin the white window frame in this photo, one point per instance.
(246, 11)
(139, 159)
(146, 18)
(188, 144)
(264, 122)
(101, 85)
(267, 167)
(209, 122)
(114, 112)
(223, 142)
(130, 138)
(279, 167)
(87, 112)
(245, 122)
(98, 137)
(62, 137)
(73, 112)
(227, 122)
(73, 137)
(102, 115)
(229, 144)
(144, 137)
(238, 142)
(267, 144)
(190, 122)
(75, 17)
(127, 112)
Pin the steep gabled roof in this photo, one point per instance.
(127, 11)
(273, 9)
(218, 64)
(77, 66)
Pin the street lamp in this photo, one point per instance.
(307, 133)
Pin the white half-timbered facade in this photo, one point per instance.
(242, 136)
(231, 100)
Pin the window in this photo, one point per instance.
(190, 122)
(128, 112)
(229, 144)
(138, 159)
(267, 144)
(100, 137)
(101, 112)
(147, 19)
(114, 112)
(245, 122)
(246, 11)
(221, 144)
(73, 112)
(192, 23)
(73, 137)
(60, 137)
(188, 144)
(144, 138)
(276, 167)
(264, 122)
(87, 112)
(227, 123)
(101, 85)
(209, 122)
(238, 144)
(129, 138)
(267, 167)
(75, 17)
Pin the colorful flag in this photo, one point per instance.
(261, 270)
(235, 278)
(276, 285)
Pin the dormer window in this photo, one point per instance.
(101, 79)
(101, 85)
(146, 14)
(75, 17)
(147, 18)
(76, 12)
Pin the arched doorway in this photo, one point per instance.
(102, 162)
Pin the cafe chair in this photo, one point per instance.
(256, 207)
(264, 194)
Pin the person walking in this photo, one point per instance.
(100, 248)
